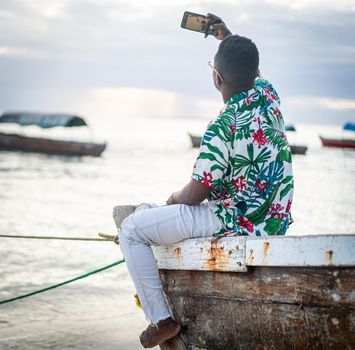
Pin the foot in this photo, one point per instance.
(154, 336)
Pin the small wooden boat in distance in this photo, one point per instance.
(292, 292)
(14, 142)
(341, 142)
(25, 143)
(295, 149)
(195, 140)
(298, 149)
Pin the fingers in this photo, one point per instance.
(216, 23)
(219, 26)
(211, 16)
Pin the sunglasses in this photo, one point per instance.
(210, 64)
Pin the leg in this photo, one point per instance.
(159, 226)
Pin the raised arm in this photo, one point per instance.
(222, 30)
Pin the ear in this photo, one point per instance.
(217, 81)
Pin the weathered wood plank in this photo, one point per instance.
(208, 254)
(266, 308)
(232, 324)
(178, 342)
(120, 212)
(236, 253)
(175, 343)
(328, 287)
(315, 250)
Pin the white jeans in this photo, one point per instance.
(159, 226)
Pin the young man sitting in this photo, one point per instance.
(243, 169)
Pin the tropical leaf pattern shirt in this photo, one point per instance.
(245, 158)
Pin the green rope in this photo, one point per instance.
(62, 283)
(57, 237)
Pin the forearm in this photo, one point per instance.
(192, 194)
(184, 197)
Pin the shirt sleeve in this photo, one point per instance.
(212, 161)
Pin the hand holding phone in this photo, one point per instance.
(218, 25)
(200, 23)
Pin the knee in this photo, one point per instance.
(128, 230)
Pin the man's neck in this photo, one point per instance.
(228, 93)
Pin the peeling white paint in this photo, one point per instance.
(335, 321)
(336, 297)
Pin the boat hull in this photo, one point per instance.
(14, 142)
(265, 308)
(342, 143)
(296, 149)
(292, 292)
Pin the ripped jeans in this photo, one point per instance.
(159, 226)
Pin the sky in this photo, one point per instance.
(131, 59)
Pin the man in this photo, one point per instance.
(243, 169)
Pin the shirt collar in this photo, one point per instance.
(240, 96)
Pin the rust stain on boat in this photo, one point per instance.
(177, 253)
(217, 257)
(266, 247)
(329, 255)
(250, 257)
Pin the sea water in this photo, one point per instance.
(146, 160)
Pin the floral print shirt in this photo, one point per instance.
(245, 158)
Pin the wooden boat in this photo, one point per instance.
(298, 149)
(295, 149)
(16, 142)
(195, 140)
(292, 292)
(341, 142)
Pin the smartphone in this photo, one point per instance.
(197, 23)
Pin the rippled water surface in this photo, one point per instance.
(145, 161)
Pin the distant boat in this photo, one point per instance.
(342, 142)
(16, 142)
(195, 140)
(295, 149)
(290, 127)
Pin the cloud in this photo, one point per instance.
(338, 104)
(24, 52)
(315, 109)
(307, 48)
(128, 102)
(339, 5)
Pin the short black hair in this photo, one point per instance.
(237, 59)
